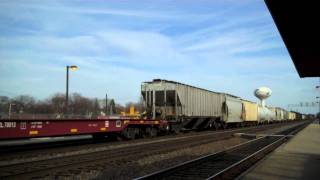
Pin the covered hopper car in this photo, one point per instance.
(189, 107)
(291, 115)
(280, 114)
(184, 106)
(250, 112)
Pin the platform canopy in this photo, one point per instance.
(298, 22)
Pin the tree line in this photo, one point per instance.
(55, 105)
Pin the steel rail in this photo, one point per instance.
(217, 165)
(234, 170)
(71, 162)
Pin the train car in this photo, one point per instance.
(298, 116)
(189, 107)
(273, 116)
(264, 115)
(279, 114)
(184, 106)
(283, 114)
(294, 116)
(232, 109)
(291, 116)
(250, 112)
(310, 116)
(286, 115)
(100, 127)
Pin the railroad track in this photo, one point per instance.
(44, 148)
(7, 149)
(23, 147)
(74, 164)
(226, 164)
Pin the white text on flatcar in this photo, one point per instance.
(8, 124)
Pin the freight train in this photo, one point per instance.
(188, 107)
(170, 107)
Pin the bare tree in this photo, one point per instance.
(81, 105)
(96, 107)
(4, 105)
(57, 103)
(120, 108)
(24, 103)
(44, 107)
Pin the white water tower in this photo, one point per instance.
(262, 93)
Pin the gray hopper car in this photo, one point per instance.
(189, 106)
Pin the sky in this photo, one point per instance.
(222, 45)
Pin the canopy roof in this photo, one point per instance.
(298, 24)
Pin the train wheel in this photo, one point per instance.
(225, 125)
(242, 124)
(238, 125)
(129, 133)
(176, 128)
(152, 132)
(216, 125)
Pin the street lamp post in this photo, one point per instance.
(73, 67)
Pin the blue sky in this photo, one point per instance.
(221, 45)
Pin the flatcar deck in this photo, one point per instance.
(30, 128)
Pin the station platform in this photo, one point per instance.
(299, 158)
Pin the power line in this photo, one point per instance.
(304, 104)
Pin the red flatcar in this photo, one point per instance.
(101, 126)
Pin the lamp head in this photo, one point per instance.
(73, 67)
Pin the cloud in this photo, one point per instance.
(235, 41)
(224, 46)
(136, 12)
(52, 44)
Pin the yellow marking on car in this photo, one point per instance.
(33, 132)
(73, 130)
(103, 129)
(126, 122)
